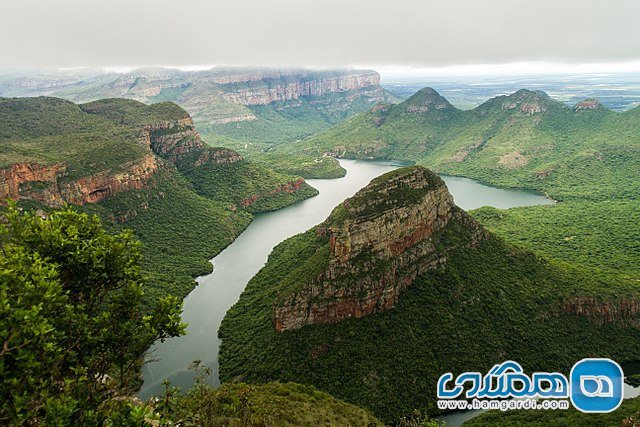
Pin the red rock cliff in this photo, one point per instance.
(379, 241)
(46, 184)
(179, 141)
(601, 312)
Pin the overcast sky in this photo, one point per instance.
(416, 33)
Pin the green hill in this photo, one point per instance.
(398, 286)
(279, 404)
(140, 167)
(525, 140)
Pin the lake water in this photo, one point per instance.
(207, 304)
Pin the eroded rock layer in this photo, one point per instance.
(378, 242)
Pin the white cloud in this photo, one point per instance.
(418, 33)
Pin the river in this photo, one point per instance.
(207, 304)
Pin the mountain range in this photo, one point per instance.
(398, 284)
(262, 105)
(526, 140)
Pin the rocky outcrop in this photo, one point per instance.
(622, 311)
(513, 160)
(172, 140)
(179, 142)
(526, 101)
(49, 185)
(587, 104)
(427, 99)
(289, 187)
(33, 181)
(378, 242)
(94, 188)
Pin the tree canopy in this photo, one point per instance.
(73, 327)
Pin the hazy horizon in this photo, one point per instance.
(388, 73)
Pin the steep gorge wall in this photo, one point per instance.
(50, 185)
(46, 184)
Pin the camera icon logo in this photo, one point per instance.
(596, 385)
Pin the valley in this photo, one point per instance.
(553, 273)
(283, 213)
(206, 305)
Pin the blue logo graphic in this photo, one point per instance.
(596, 385)
(503, 381)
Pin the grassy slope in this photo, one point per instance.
(180, 230)
(278, 404)
(629, 410)
(304, 165)
(225, 183)
(235, 182)
(590, 159)
(281, 123)
(487, 304)
(51, 130)
(287, 121)
(588, 154)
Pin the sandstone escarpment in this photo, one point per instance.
(32, 181)
(179, 142)
(286, 86)
(99, 186)
(378, 242)
(49, 184)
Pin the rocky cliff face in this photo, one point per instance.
(49, 184)
(282, 86)
(32, 181)
(172, 140)
(601, 312)
(179, 142)
(378, 242)
(96, 187)
(46, 184)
